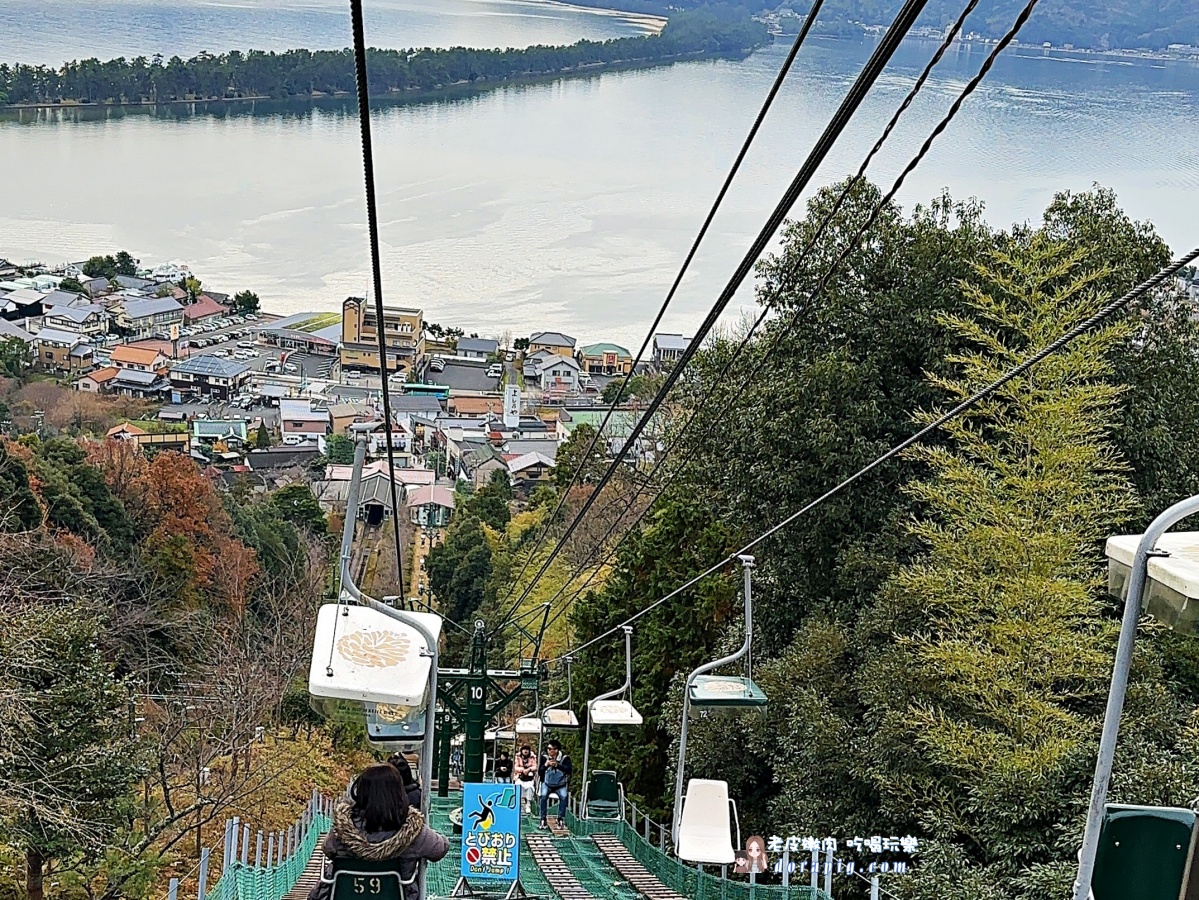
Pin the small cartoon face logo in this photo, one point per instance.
(753, 860)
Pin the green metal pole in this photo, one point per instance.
(476, 706)
(443, 761)
(438, 737)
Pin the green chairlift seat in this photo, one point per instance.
(1143, 854)
(360, 879)
(605, 796)
(722, 693)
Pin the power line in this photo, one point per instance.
(853, 100)
(372, 219)
(973, 400)
(703, 231)
(950, 36)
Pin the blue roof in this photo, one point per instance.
(211, 366)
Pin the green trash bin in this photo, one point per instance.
(1143, 853)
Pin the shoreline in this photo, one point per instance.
(452, 91)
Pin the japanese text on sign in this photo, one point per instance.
(874, 845)
(490, 832)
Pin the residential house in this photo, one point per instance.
(165, 348)
(669, 348)
(89, 320)
(143, 385)
(478, 348)
(131, 283)
(154, 315)
(415, 404)
(606, 359)
(531, 469)
(553, 341)
(204, 308)
(343, 415)
(558, 373)
(281, 459)
(480, 462)
(430, 506)
(141, 359)
(299, 422)
(231, 432)
(9, 330)
(547, 447)
(401, 442)
(403, 331)
(7, 269)
(95, 287)
(75, 270)
(62, 351)
(209, 377)
(177, 441)
(476, 406)
(97, 381)
(22, 303)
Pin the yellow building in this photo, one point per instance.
(606, 359)
(555, 342)
(403, 332)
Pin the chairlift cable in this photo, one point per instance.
(720, 195)
(970, 402)
(372, 219)
(858, 177)
(862, 85)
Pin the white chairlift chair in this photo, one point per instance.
(705, 834)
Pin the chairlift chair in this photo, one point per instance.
(706, 694)
(605, 711)
(605, 796)
(559, 715)
(705, 833)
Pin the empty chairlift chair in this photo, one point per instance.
(701, 823)
(606, 712)
(605, 796)
(705, 835)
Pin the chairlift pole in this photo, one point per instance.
(747, 564)
(1119, 685)
(348, 586)
(628, 684)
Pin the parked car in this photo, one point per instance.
(353, 376)
(245, 345)
(495, 371)
(290, 367)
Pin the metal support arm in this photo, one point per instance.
(1115, 698)
(627, 686)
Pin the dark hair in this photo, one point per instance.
(553, 745)
(378, 795)
(402, 766)
(524, 747)
(504, 752)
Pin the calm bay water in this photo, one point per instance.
(565, 205)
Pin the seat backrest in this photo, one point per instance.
(604, 788)
(360, 879)
(705, 832)
(1143, 853)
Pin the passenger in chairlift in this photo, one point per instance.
(554, 772)
(411, 785)
(377, 824)
(526, 771)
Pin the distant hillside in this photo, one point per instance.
(1094, 24)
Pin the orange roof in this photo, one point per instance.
(204, 307)
(475, 406)
(141, 356)
(102, 375)
(163, 347)
(125, 428)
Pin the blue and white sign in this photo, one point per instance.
(490, 832)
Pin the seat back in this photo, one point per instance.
(360, 879)
(1143, 853)
(604, 788)
(705, 828)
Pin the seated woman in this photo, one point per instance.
(376, 823)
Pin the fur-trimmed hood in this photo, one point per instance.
(379, 845)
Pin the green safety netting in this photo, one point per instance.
(685, 879)
(249, 882)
